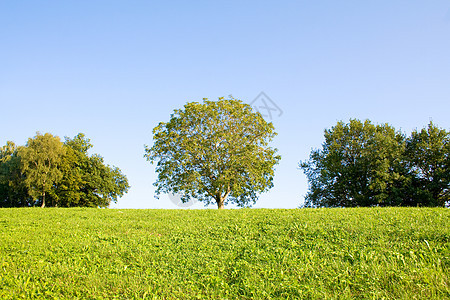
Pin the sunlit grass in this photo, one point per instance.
(368, 253)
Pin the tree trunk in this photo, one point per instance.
(220, 201)
(43, 200)
(220, 204)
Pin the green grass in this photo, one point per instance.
(361, 253)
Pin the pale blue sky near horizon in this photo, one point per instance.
(115, 69)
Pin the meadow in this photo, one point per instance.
(352, 253)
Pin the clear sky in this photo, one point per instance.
(115, 69)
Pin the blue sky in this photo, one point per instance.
(115, 69)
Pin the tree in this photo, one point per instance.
(86, 180)
(360, 164)
(48, 172)
(13, 191)
(214, 151)
(40, 161)
(428, 157)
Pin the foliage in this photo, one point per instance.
(352, 253)
(40, 161)
(214, 151)
(428, 156)
(359, 165)
(87, 181)
(13, 191)
(48, 172)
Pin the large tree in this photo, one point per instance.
(215, 151)
(360, 164)
(428, 157)
(41, 159)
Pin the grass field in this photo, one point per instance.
(360, 253)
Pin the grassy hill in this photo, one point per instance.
(373, 253)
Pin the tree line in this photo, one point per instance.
(218, 152)
(49, 172)
(362, 164)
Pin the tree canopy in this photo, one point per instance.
(48, 172)
(87, 181)
(13, 191)
(40, 162)
(428, 157)
(215, 151)
(362, 164)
